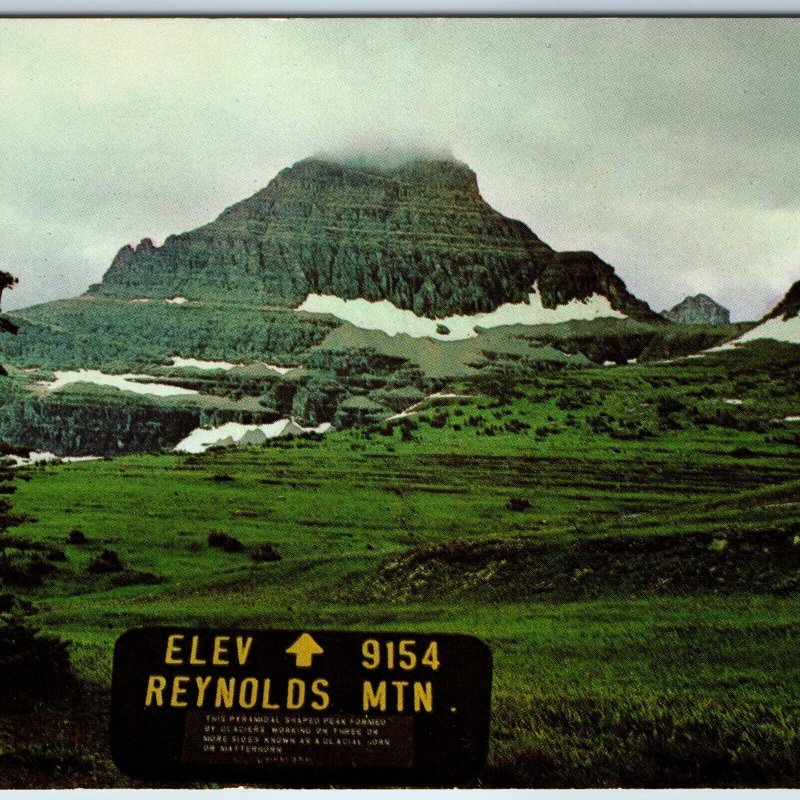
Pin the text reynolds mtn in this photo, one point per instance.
(289, 705)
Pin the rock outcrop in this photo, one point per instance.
(789, 307)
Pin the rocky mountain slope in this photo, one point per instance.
(789, 307)
(698, 310)
(419, 235)
(781, 324)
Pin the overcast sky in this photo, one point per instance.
(671, 148)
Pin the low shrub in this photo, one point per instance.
(518, 504)
(107, 561)
(224, 541)
(134, 578)
(32, 666)
(38, 566)
(220, 478)
(265, 552)
(76, 536)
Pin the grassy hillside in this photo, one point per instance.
(624, 538)
(342, 374)
(95, 332)
(118, 335)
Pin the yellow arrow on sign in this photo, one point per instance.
(304, 649)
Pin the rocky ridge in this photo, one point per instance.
(789, 307)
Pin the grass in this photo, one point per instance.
(641, 606)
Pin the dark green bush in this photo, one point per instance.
(265, 552)
(107, 561)
(32, 666)
(518, 504)
(225, 542)
(55, 554)
(76, 536)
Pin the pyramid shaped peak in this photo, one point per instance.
(405, 226)
(698, 309)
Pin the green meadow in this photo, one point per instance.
(627, 540)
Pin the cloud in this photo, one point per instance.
(666, 146)
(385, 155)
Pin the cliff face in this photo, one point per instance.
(83, 426)
(419, 235)
(698, 310)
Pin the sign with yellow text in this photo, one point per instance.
(300, 707)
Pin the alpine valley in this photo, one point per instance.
(363, 399)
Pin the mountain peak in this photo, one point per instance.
(424, 171)
(698, 309)
(412, 230)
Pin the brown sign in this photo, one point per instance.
(300, 707)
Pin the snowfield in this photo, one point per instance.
(279, 370)
(178, 301)
(782, 330)
(126, 383)
(44, 458)
(199, 363)
(412, 409)
(383, 315)
(236, 434)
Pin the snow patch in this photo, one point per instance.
(41, 458)
(782, 330)
(126, 383)
(678, 358)
(383, 315)
(199, 363)
(44, 458)
(791, 419)
(279, 370)
(408, 412)
(178, 301)
(411, 410)
(733, 401)
(237, 434)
